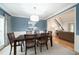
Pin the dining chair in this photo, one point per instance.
(30, 42)
(50, 37)
(11, 38)
(36, 32)
(43, 41)
(50, 32)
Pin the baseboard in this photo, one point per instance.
(4, 47)
(76, 53)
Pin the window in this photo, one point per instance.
(71, 27)
(1, 31)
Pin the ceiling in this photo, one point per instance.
(43, 10)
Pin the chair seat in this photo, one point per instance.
(18, 44)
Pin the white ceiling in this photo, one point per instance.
(44, 10)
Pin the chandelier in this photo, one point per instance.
(34, 17)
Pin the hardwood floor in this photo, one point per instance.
(63, 43)
(56, 49)
(60, 47)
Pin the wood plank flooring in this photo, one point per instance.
(60, 47)
(63, 43)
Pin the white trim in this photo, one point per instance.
(76, 41)
(75, 31)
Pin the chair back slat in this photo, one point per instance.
(44, 36)
(50, 33)
(29, 40)
(29, 37)
(11, 37)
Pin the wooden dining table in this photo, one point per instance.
(21, 38)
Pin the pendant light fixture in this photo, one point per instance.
(34, 17)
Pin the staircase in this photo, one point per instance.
(59, 25)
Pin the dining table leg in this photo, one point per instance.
(51, 41)
(15, 48)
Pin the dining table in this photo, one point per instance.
(21, 38)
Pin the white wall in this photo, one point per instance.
(64, 19)
(67, 17)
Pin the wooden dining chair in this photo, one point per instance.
(50, 32)
(36, 32)
(30, 42)
(43, 41)
(11, 38)
(50, 37)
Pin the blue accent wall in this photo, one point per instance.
(41, 25)
(21, 24)
(2, 12)
(77, 19)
